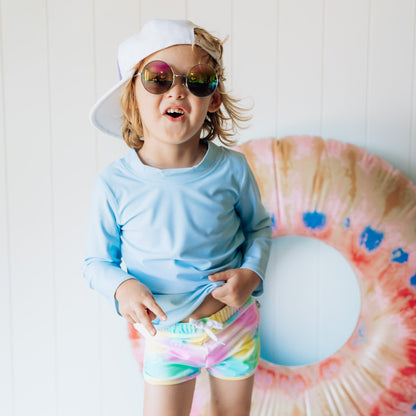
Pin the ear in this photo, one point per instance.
(215, 103)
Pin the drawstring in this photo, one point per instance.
(207, 327)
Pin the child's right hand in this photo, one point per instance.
(137, 304)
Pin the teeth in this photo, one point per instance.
(174, 111)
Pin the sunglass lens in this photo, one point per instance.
(202, 80)
(157, 77)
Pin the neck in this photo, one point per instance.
(172, 157)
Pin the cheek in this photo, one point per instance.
(146, 106)
(200, 118)
(203, 109)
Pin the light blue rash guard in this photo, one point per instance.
(174, 227)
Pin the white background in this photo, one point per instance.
(335, 68)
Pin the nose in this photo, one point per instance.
(178, 89)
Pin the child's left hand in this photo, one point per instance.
(238, 287)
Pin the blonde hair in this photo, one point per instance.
(216, 124)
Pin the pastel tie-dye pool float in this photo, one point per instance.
(358, 204)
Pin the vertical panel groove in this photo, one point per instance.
(95, 84)
(276, 98)
(323, 52)
(232, 30)
(52, 208)
(368, 74)
(7, 216)
(318, 312)
(95, 152)
(412, 130)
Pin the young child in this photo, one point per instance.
(185, 216)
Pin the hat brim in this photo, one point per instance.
(106, 115)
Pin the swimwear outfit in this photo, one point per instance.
(171, 229)
(226, 344)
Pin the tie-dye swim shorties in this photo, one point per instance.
(226, 344)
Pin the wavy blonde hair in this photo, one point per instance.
(221, 124)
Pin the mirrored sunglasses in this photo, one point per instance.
(158, 77)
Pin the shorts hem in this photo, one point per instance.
(248, 375)
(159, 382)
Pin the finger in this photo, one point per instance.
(220, 293)
(141, 316)
(153, 307)
(217, 277)
(129, 318)
(152, 316)
(144, 319)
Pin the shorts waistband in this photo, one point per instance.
(222, 316)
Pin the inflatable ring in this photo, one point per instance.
(358, 204)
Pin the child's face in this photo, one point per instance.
(157, 123)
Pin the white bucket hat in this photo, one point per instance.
(106, 115)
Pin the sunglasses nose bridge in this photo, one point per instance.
(182, 84)
(179, 76)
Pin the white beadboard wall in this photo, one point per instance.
(335, 68)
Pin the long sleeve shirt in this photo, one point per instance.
(173, 228)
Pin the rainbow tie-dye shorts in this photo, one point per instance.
(226, 343)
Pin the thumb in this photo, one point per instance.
(218, 277)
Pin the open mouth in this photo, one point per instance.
(175, 112)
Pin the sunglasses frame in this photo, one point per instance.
(174, 78)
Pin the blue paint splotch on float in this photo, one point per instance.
(361, 335)
(273, 219)
(371, 239)
(314, 220)
(413, 280)
(346, 223)
(400, 256)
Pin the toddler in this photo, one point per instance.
(185, 216)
